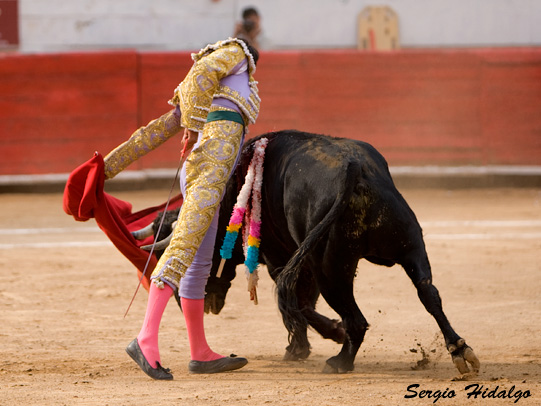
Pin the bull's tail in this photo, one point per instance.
(286, 282)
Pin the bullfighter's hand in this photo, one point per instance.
(189, 139)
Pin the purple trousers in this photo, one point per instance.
(192, 285)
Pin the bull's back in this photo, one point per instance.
(303, 175)
(299, 184)
(377, 221)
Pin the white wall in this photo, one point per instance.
(67, 25)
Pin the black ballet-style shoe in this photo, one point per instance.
(158, 373)
(220, 365)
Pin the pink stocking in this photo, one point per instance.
(193, 314)
(148, 336)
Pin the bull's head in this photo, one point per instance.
(163, 234)
(161, 244)
(217, 287)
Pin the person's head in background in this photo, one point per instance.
(251, 14)
(249, 28)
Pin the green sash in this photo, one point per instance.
(225, 115)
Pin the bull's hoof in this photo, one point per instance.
(335, 366)
(462, 354)
(298, 355)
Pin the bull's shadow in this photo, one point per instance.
(327, 203)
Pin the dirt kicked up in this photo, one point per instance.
(65, 289)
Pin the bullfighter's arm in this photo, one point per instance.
(197, 90)
(141, 142)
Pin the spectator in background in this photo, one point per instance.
(249, 28)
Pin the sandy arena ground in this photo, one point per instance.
(65, 290)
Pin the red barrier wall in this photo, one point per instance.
(440, 107)
(56, 110)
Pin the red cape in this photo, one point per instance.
(84, 199)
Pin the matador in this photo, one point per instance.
(213, 105)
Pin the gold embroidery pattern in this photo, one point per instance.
(207, 170)
(202, 83)
(141, 142)
(249, 108)
(195, 93)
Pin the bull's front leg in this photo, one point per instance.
(461, 353)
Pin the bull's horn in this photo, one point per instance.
(162, 244)
(143, 233)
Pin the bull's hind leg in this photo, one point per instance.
(295, 323)
(337, 289)
(461, 353)
(327, 328)
(307, 294)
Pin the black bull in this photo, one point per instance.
(327, 203)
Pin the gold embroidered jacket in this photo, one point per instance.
(193, 97)
(212, 64)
